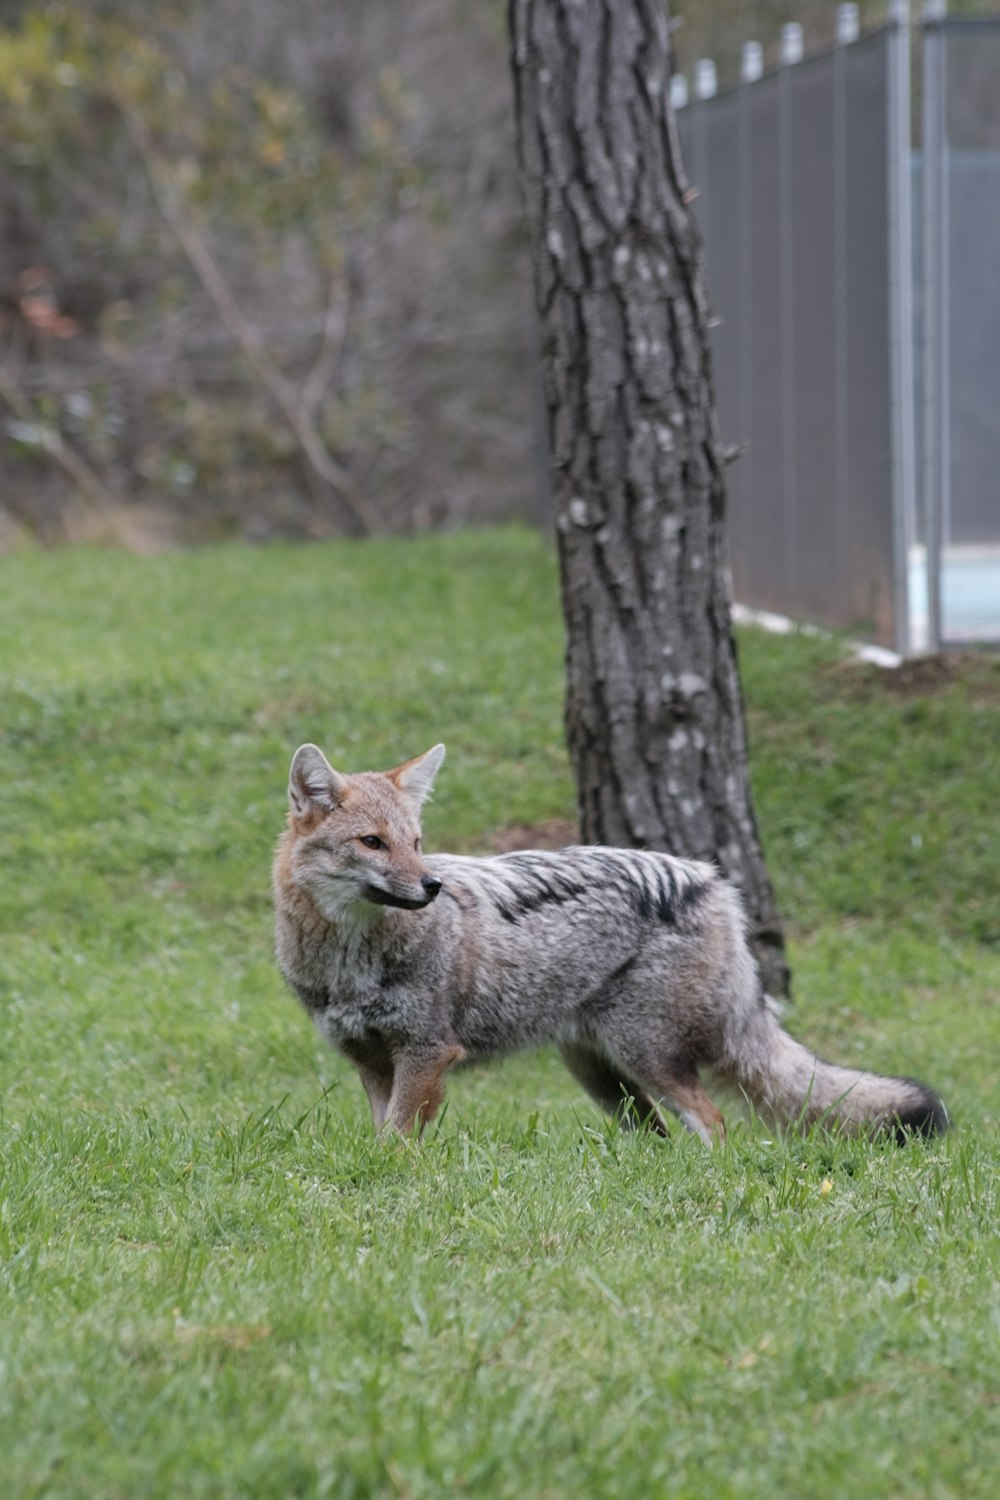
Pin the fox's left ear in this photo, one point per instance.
(313, 784)
(416, 777)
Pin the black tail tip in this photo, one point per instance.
(925, 1116)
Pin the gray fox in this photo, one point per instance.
(634, 963)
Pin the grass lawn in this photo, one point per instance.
(214, 1283)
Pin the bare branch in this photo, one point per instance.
(300, 421)
(338, 308)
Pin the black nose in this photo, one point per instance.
(431, 885)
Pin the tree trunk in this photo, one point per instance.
(654, 712)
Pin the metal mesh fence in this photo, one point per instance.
(793, 174)
(959, 568)
(972, 205)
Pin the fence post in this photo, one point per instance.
(901, 314)
(743, 478)
(935, 323)
(847, 32)
(790, 53)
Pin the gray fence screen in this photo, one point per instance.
(802, 349)
(804, 201)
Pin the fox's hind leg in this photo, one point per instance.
(681, 1091)
(611, 1088)
(696, 1110)
(667, 1075)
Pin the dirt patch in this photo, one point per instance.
(553, 833)
(923, 676)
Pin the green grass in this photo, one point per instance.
(213, 1282)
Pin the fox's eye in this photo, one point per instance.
(372, 841)
(416, 845)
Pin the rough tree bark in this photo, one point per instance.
(654, 711)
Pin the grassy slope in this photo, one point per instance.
(212, 1282)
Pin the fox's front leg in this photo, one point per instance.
(378, 1087)
(376, 1070)
(418, 1088)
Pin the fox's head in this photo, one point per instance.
(356, 839)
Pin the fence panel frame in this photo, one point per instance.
(935, 270)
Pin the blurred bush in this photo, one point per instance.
(261, 269)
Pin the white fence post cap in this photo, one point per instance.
(791, 44)
(705, 80)
(848, 24)
(751, 62)
(678, 91)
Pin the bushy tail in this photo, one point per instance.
(784, 1080)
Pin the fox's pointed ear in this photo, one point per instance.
(313, 784)
(416, 777)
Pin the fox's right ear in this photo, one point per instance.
(313, 784)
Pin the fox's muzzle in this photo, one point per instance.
(430, 884)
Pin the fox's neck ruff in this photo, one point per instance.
(354, 937)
